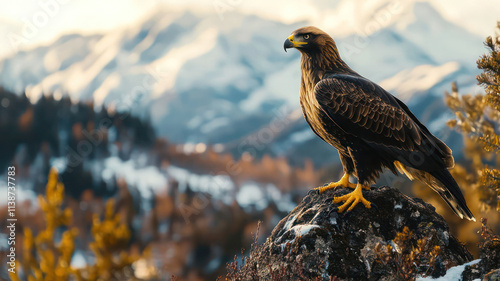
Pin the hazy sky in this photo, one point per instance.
(44, 20)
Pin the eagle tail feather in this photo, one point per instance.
(443, 183)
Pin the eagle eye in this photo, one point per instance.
(306, 36)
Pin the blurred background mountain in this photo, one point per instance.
(217, 77)
(188, 115)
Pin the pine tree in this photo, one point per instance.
(490, 79)
(478, 117)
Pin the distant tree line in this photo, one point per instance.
(75, 131)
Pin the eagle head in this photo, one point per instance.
(308, 39)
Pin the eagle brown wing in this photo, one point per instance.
(362, 108)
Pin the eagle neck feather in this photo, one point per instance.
(314, 64)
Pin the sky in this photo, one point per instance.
(25, 24)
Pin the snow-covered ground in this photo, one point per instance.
(22, 193)
(250, 195)
(453, 274)
(150, 180)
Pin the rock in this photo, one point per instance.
(489, 253)
(492, 276)
(397, 239)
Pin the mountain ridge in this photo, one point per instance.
(206, 80)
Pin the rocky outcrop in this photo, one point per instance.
(397, 239)
(488, 268)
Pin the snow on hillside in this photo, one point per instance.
(443, 41)
(454, 273)
(418, 79)
(384, 54)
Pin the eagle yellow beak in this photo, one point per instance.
(291, 43)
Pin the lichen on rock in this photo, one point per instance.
(398, 238)
(488, 268)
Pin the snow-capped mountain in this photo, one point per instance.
(203, 79)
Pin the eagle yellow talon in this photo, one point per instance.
(343, 182)
(352, 199)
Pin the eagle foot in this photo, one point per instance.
(352, 199)
(343, 182)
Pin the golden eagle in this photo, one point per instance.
(369, 127)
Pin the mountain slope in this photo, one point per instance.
(206, 80)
